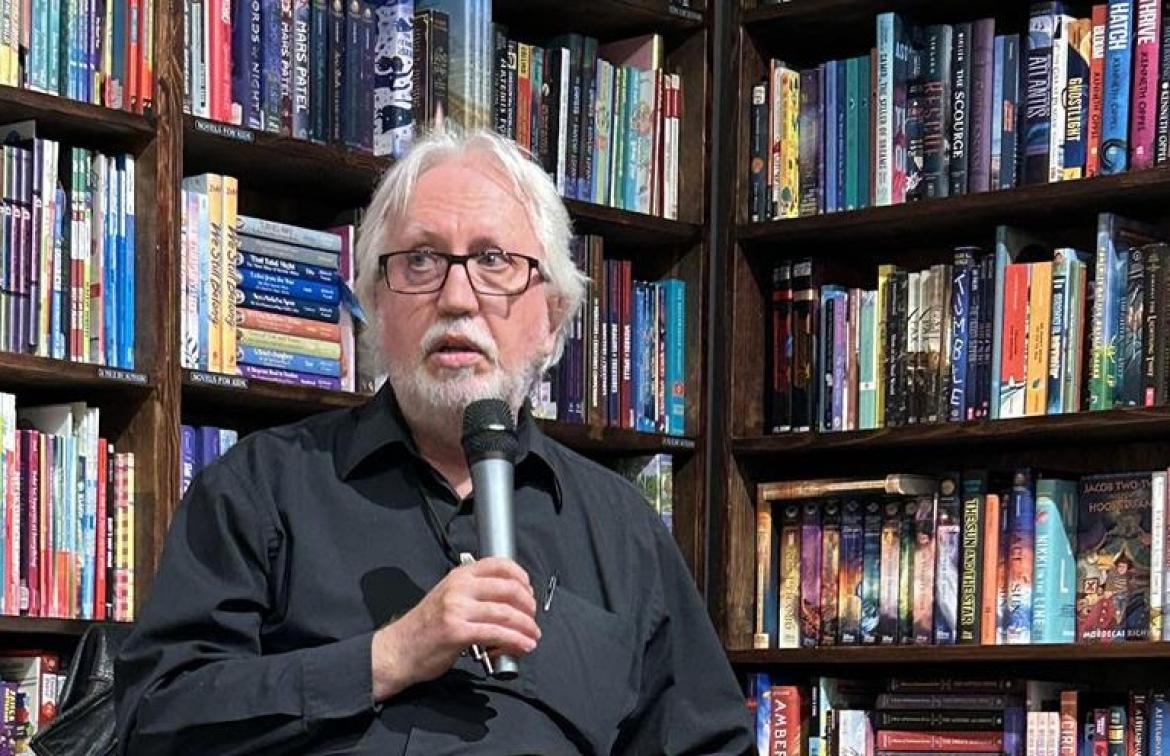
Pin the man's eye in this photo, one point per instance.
(421, 260)
(494, 259)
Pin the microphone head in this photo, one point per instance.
(489, 431)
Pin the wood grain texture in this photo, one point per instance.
(78, 123)
(1122, 425)
(1040, 206)
(44, 376)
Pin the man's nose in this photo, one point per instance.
(457, 295)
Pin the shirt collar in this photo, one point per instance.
(379, 423)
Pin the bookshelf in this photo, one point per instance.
(312, 185)
(804, 33)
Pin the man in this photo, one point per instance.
(311, 596)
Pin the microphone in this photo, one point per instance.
(489, 443)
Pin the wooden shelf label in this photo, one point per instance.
(677, 442)
(123, 376)
(219, 380)
(686, 14)
(225, 130)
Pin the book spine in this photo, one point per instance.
(1099, 22)
(272, 358)
(757, 182)
(1038, 102)
(870, 571)
(1162, 136)
(1080, 40)
(981, 104)
(790, 555)
(961, 285)
(300, 87)
(948, 546)
(1143, 106)
(924, 571)
(257, 372)
(1038, 320)
(888, 27)
(1010, 137)
(1114, 148)
(937, 116)
(1061, 30)
(285, 305)
(809, 130)
(974, 519)
(810, 574)
(1021, 558)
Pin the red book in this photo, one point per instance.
(1096, 90)
(133, 55)
(787, 734)
(963, 742)
(99, 560)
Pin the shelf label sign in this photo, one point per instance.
(219, 380)
(124, 376)
(225, 130)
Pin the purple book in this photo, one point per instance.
(256, 372)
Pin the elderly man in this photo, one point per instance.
(313, 596)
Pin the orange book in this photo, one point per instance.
(1039, 338)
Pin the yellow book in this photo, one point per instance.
(789, 598)
(885, 274)
(786, 141)
(213, 185)
(1039, 336)
(283, 342)
(230, 251)
(130, 552)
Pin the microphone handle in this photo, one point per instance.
(491, 481)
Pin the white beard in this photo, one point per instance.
(434, 405)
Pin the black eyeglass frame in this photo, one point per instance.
(453, 259)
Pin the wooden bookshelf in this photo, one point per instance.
(319, 185)
(805, 33)
(839, 660)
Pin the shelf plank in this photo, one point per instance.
(294, 166)
(1121, 424)
(26, 372)
(1030, 205)
(593, 439)
(849, 656)
(232, 394)
(625, 227)
(605, 19)
(850, 11)
(348, 177)
(75, 121)
(214, 395)
(43, 626)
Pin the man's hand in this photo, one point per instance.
(490, 603)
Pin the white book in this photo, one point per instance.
(1056, 130)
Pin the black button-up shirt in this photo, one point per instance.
(290, 551)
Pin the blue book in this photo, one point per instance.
(842, 108)
(270, 21)
(761, 690)
(246, 60)
(962, 275)
(288, 286)
(1058, 348)
(1076, 145)
(676, 326)
(190, 457)
(275, 265)
(113, 214)
(1055, 568)
(1021, 560)
(126, 330)
(829, 97)
(997, 110)
(287, 306)
(1114, 150)
(1159, 722)
(276, 359)
(1038, 91)
(1009, 131)
(208, 445)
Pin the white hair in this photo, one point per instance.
(532, 187)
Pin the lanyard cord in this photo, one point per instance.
(431, 515)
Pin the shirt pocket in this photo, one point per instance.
(583, 667)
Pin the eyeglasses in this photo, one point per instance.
(492, 272)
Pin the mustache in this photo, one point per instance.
(463, 329)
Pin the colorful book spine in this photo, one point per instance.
(1054, 568)
(1114, 148)
(1021, 559)
(277, 375)
(286, 343)
(871, 570)
(810, 574)
(973, 522)
(280, 360)
(1080, 53)
(288, 286)
(887, 631)
(1099, 22)
(852, 565)
(923, 571)
(948, 540)
(1144, 104)
(1038, 103)
(790, 555)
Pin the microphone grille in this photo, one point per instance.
(489, 430)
